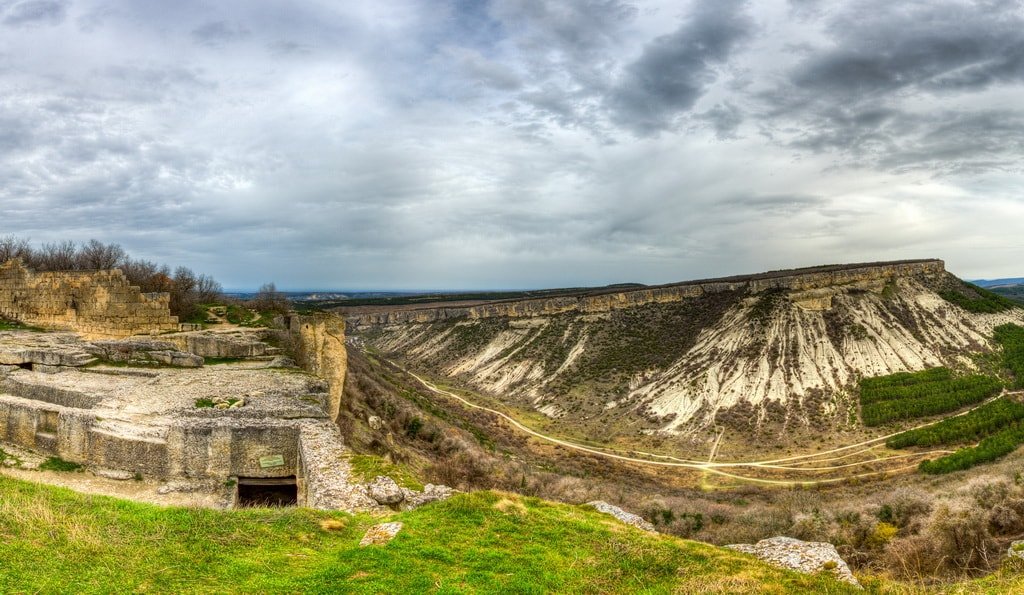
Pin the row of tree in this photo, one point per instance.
(914, 391)
(930, 398)
(974, 425)
(905, 378)
(991, 448)
(187, 289)
(1011, 337)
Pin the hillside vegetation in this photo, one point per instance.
(54, 540)
(929, 392)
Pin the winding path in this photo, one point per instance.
(718, 468)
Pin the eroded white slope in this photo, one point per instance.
(911, 329)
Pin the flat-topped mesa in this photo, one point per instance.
(606, 299)
(94, 303)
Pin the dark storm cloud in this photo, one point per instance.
(511, 143)
(674, 70)
(869, 94)
(33, 12)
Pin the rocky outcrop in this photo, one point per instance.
(385, 491)
(320, 348)
(380, 534)
(94, 303)
(218, 344)
(141, 350)
(626, 517)
(604, 300)
(809, 557)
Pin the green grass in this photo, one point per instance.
(920, 394)
(59, 464)
(55, 541)
(367, 467)
(13, 325)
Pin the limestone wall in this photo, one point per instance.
(320, 349)
(94, 303)
(604, 300)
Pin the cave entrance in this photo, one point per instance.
(26, 366)
(267, 491)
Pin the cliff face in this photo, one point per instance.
(320, 349)
(775, 348)
(604, 300)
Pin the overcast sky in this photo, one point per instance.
(516, 143)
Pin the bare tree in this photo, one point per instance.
(13, 247)
(95, 255)
(148, 275)
(269, 300)
(208, 290)
(57, 256)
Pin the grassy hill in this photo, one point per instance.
(53, 540)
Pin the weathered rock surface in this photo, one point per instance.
(217, 344)
(44, 349)
(430, 493)
(140, 350)
(385, 491)
(380, 534)
(1016, 549)
(803, 556)
(626, 517)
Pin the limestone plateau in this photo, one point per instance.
(782, 349)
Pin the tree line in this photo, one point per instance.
(991, 448)
(187, 289)
(1011, 337)
(887, 400)
(983, 421)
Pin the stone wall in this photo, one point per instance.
(604, 300)
(94, 303)
(320, 349)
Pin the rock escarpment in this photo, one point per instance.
(604, 300)
(773, 350)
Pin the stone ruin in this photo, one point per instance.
(146, 406)
(94, 303)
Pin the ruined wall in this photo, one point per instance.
(95, 303)
(604, 300)
(320, 349)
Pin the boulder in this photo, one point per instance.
(375, 422)
(626, 517)
(1016, 549)
(385, 491)
(809, 557)
(430, 493)
(380, 534)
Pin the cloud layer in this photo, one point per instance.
(516, 143)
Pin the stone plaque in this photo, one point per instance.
(272, 461)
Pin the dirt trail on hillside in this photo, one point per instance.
(718, 468)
